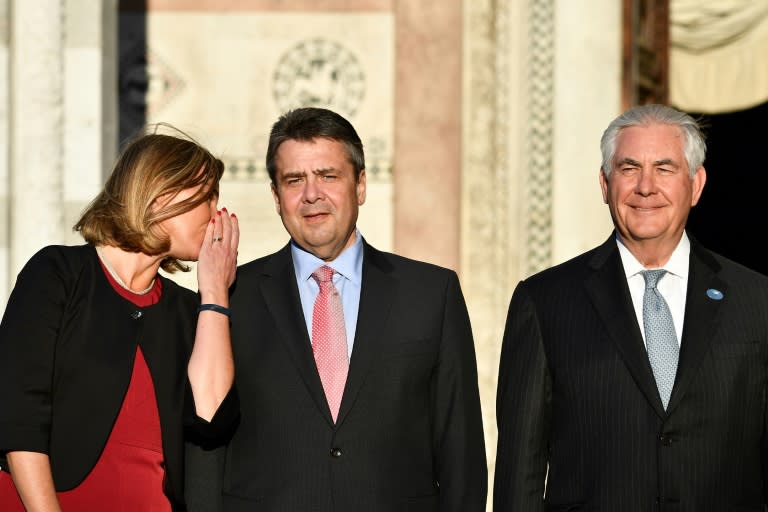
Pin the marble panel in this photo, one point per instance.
(227, 90)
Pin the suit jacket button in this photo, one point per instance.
(136, 315)
(335, 453)
(665, 440)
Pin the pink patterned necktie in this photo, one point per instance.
(329, 339)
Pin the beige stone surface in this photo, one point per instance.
(5, 134)
(587, 68)
(36, 138)
(540, 83)
(303, 6)
(428, 131)
(448, 95)
(229, 89)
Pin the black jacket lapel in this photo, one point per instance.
(281, 295)
(701, 317)
(608, 290)
(376, 295)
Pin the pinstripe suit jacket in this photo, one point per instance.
(577, 403)
(409, 434)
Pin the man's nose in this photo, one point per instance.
(646, 182)
(313, 190)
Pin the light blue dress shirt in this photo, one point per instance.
(348, 279)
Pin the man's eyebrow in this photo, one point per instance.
(656, 163)
(322, 171)
(628, 161)
(666, 161)
(292, 174)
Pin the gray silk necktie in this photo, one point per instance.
(660, 337)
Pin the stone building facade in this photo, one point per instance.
(481, 121)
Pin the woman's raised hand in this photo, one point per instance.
(217, 263)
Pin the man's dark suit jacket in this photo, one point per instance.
(578, 403)
(409, 435)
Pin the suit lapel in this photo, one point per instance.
(376, 295)
(281, 295)
(608, 290)
(701, 317)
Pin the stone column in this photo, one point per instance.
(61, 131)
(496, 92)
(5, 122)
(427, 172)
(90, 105)
(539, 85)
(37, 128)
(586, 80)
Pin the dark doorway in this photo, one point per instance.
(731, 217)
(133, 80)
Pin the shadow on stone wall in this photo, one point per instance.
(133, 72)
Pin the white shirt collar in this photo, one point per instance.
(677, 265)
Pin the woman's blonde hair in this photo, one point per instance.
(127, 212)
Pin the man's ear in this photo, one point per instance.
(275, 197)
(604, 185)
(361, 187)
(699, 180)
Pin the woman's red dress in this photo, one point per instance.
(129, 473)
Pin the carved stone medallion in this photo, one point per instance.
(319, 73)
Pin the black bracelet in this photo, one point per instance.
(216, 308)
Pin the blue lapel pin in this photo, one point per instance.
(714, 294)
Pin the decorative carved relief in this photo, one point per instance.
(491, 181)
(319, 73)
(163, 83)
(251, 169)
(540, 134)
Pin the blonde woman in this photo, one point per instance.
(104, 363)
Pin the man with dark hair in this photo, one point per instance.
(355, 368)
(633, 378)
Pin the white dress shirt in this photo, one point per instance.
(672, 285)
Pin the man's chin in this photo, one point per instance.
(646, 230)
(315, 245)
(641, 236)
